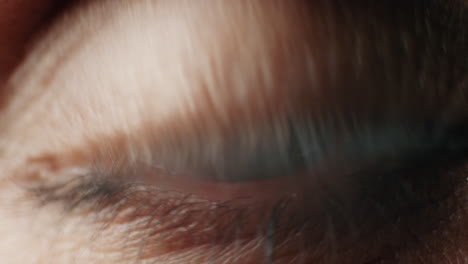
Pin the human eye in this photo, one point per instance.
(240, 132)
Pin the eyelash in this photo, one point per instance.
(156, 213)
(382, 200)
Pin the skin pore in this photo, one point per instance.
(102, 100)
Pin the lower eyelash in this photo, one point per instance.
(165, 221)
(168, 222)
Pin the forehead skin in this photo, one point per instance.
(107, 74)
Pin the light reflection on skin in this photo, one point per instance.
(106, 79)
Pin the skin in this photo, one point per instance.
(110, 85)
